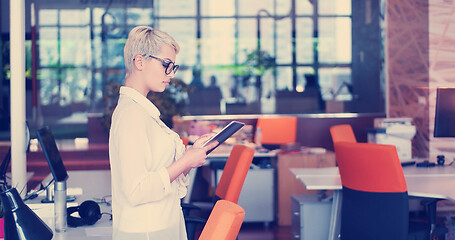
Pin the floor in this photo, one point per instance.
(249, 230)
(257, 231)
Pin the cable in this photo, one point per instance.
(37, 192)
(110, 214)
(104, 200)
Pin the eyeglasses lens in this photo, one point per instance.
(169, 67)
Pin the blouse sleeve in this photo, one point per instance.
(182, 180)
(137, 183)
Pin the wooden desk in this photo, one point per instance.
(289, 185)
(436, 182)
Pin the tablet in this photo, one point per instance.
(224, 134)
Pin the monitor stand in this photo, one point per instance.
(50, 196)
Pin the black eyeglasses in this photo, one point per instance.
(170, 66)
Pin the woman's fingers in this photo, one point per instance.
(211, 145)
(202, 139)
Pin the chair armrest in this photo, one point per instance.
(191, 224)
(187, 207)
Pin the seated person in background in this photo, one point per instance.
(313, 90)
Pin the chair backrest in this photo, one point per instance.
(342, 133)
(234, 173)
(375, 202)
(185, 140)
(277, 130)
(224, 222)
(370, 167)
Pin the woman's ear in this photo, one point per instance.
(138, 62)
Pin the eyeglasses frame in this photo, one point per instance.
(166, 64)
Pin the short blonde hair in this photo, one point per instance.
(145, 40)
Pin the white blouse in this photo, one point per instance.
(145, 204)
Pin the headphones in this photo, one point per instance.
(89, 211)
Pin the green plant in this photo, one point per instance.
(256, 63)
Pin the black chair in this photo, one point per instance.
(375, 204)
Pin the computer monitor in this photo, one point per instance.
(7, 158)
(47, 141)
(444, 121)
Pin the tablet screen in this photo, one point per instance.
(224, 134)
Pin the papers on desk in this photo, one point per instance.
(46, 210)
(313, 150)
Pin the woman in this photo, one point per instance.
(149, 164)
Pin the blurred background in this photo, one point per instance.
(237, 57)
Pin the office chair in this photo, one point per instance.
(276, 131)
(342, 133)
(185, 140)
(231, 181)
(224, 222)
(234, 173)
(375, 202)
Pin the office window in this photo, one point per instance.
(247, 32)
(184, 32)
(81, 48)
(334, 33)
(175, 8)
(334, 7)
(252, 7)
(305, 40)
(335, 83)
(217, 42)
(74, 49)
(217, 8)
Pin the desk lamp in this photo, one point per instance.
(20, 222)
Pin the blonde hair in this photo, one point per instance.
(145, 40)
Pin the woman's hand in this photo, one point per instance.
(202, 139)
(194, 156)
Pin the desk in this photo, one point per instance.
(436, 182)
(95, 184)
(288, 184)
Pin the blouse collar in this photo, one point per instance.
(149, 107)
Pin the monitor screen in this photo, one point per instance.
(52, 154)
(444, 121)
(7, 158)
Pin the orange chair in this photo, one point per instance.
(277, 130)
(224, 222)
(375, 203)
(231, 182)
(342, 133)
(234, 173)
(185, 140)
